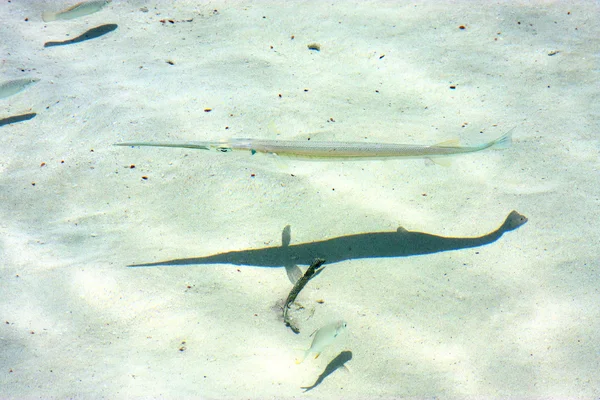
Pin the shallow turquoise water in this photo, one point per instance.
(436, 304)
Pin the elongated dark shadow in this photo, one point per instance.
(17, 118)
(335, 364)
(401, 243)
(87, 35)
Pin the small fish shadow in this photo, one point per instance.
(335, 364)
(17, 118)
(87, 35)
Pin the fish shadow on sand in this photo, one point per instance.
(87, 35)
(401, 243)
(338, 362)
(17, 118)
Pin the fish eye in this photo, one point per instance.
(224, 149)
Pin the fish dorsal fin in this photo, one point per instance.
(73, 7)
(273, 130)
(294, 273)
(443, 161)
(449, 143)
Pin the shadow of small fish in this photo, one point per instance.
(17, 118)
(87, 35)
(335, 364)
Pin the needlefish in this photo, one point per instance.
(322, 150)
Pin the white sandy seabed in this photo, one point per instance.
(516, 318)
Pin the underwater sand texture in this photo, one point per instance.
(517, 318)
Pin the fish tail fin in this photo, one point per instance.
(504, 141)
(302, 357)
(48, 16)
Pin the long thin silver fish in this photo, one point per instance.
(334, 150)
(75, 11)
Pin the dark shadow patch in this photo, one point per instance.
(335, 364)
(401, 243)
(87, 35)
(17, 118)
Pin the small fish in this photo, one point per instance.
(15, 86)
(315, 150)
(323, 338)
(78, 10)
